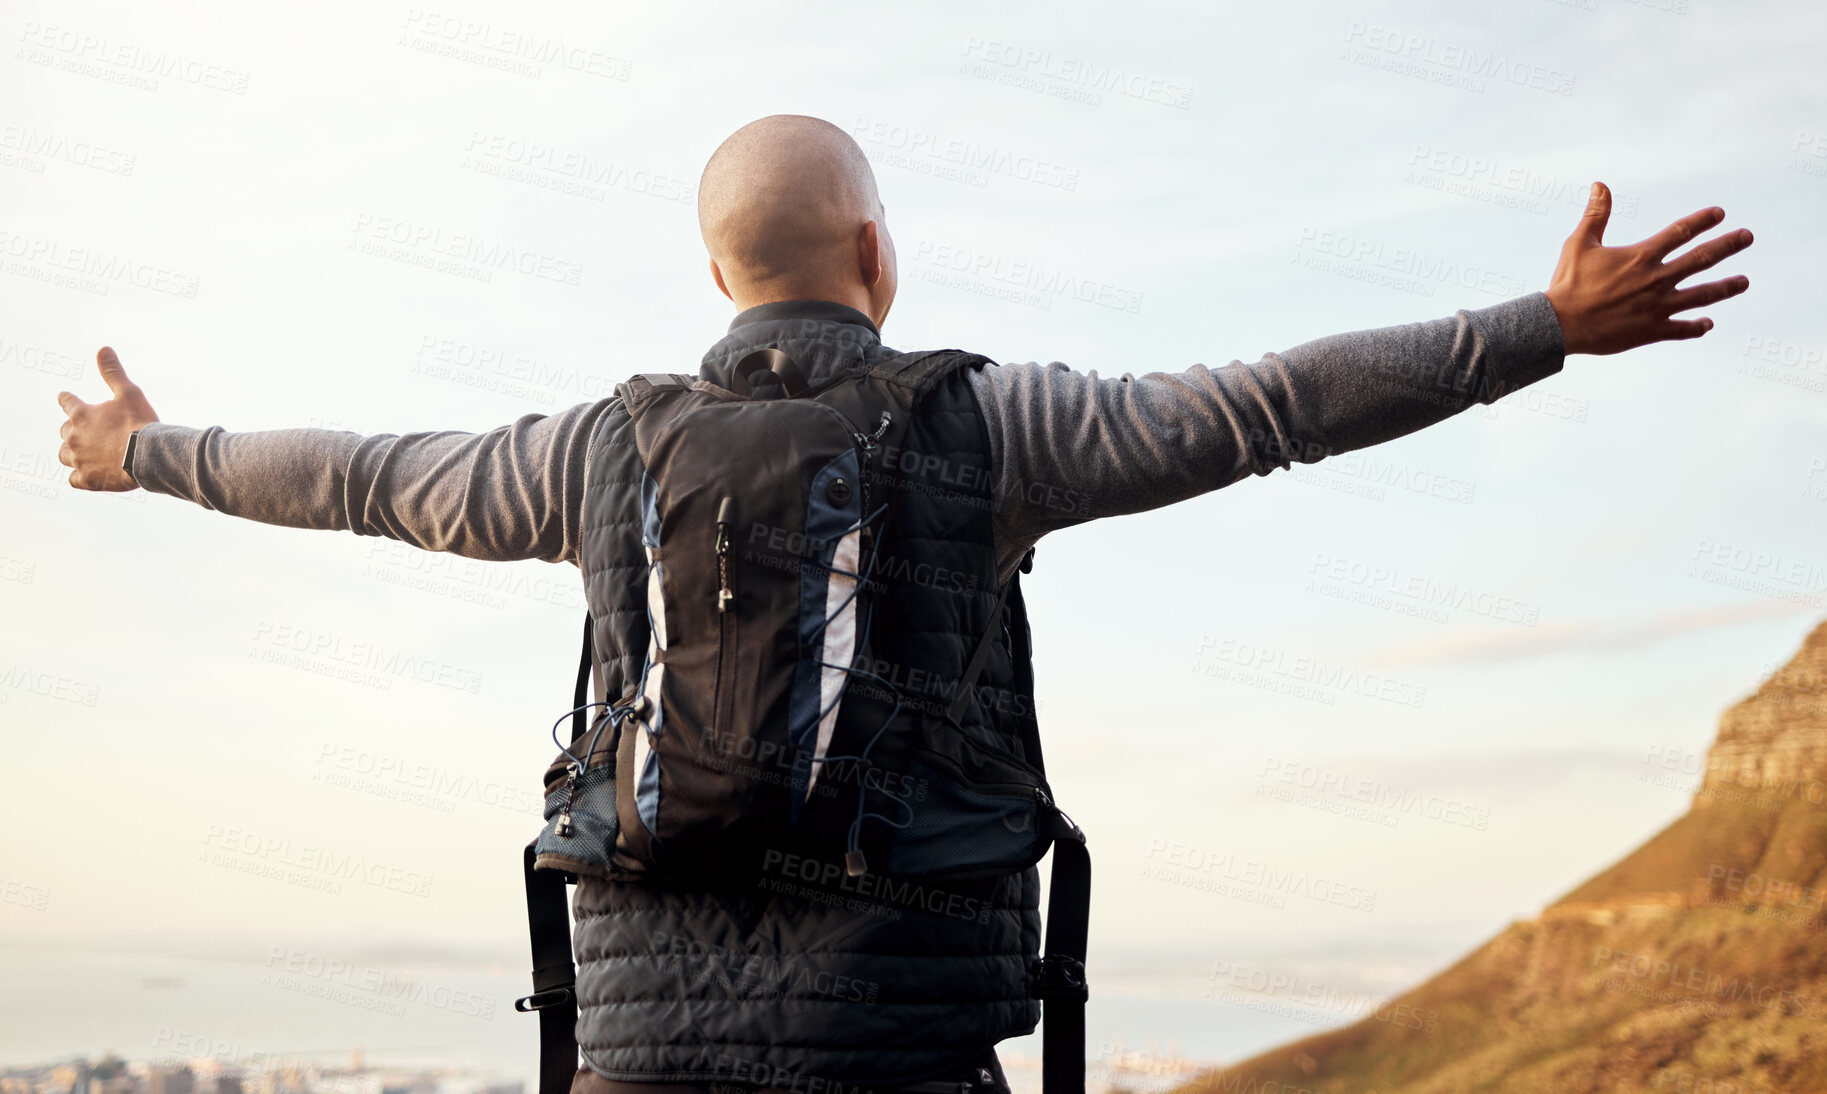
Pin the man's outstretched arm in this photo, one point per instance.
(1070, 447)
(511, 493)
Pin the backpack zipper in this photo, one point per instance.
(946, 765)
(866, 445)
(726, 518)
(726, 619)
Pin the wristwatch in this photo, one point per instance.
(133, 439)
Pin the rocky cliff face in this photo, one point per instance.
(1696, 964)
(1775, 740)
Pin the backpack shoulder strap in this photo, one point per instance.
(922, 369)
(638, 390)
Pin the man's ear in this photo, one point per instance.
(717, 276)
(869, 254)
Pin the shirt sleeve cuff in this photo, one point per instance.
(1525, 336)
(164, 459)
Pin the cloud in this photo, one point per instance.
(1490, 646)
(1493, 775)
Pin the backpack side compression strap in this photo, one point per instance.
(549, 930)
(554, 977)
(586, 664)
(1059, 975)
(1058, 979)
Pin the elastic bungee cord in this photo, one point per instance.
(614, 715)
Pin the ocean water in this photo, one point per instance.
(252, 1010)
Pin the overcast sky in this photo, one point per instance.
(255, 203)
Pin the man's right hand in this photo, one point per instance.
(95, 437)
(1610, 299)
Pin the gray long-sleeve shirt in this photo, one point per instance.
(1066, 446)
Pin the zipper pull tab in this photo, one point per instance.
(563, 828)
(726, 519)
(868, 442)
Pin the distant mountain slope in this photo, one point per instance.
(1695, 965)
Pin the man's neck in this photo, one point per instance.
(804, 308)
(855, 299)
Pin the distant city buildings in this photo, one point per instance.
(258, 1073)
(162, 1080)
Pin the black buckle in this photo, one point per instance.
(1059, 977)
(540, 1000)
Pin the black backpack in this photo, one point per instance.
(754, 730)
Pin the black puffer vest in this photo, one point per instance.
(813, 977)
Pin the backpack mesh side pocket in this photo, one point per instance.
(586, 805)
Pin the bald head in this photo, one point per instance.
(786, 207)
